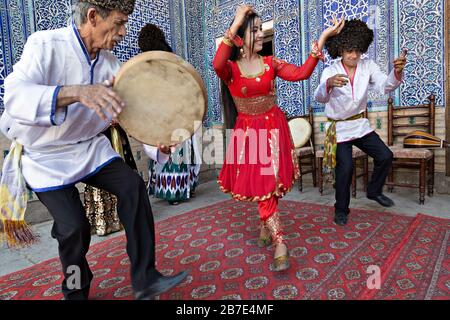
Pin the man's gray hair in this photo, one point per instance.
(80, 10)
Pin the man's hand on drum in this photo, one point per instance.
(164, 149)
(167, 149)
(102, 99)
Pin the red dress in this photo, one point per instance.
(260, 160)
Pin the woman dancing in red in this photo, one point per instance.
(260, 164)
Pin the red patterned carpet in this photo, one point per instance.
(218, 245)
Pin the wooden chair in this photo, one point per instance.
(401, 121)
(358, 157)
(306, 155)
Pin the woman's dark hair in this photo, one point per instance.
(355, 35)
(229, 108)
(152, 38)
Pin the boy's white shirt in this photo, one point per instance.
(349, 100)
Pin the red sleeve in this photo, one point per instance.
(291, 72)
(221, 64)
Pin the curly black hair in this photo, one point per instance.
(355, 35)
(152, 38)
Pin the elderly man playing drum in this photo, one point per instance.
(57, 103)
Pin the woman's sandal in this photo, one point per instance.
(281, 263)
(265, 241)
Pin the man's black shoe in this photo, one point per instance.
(340, 219)
(382, 199)
(160, 286)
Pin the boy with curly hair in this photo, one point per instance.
(343, 88)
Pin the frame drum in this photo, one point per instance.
(165, 98)
(300, 130)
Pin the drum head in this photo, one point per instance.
(300, 130)
(165, 98)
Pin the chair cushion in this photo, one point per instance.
(303, 151)
(356, 153)
(411, 153)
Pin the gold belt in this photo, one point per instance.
(355, 117)
(254, 106)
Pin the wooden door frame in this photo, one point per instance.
(447, 85)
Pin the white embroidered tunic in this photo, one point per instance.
(351, 99)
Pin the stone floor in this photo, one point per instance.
(208, 193)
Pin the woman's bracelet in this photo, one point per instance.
(232, 39)
(316, 52)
